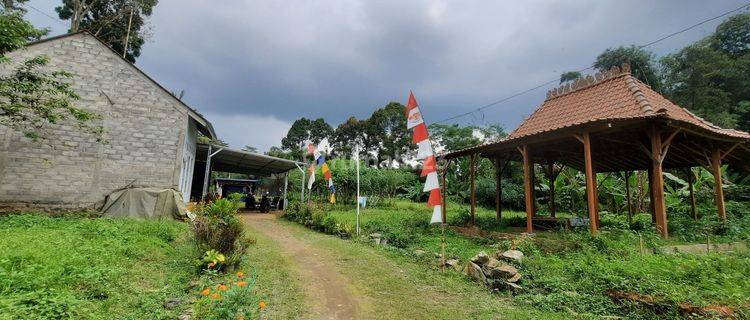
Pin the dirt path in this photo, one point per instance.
(330, 294)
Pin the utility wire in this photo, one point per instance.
(480, 108)
(46, 14)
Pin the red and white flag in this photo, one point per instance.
(421, 138)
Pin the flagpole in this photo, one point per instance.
(357, 155)
(442, 247)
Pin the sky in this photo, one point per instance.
(253, 67)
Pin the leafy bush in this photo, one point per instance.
(217, 228)
(230, 298)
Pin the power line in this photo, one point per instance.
(478, 109)
(46, 14)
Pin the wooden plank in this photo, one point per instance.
(473, 173)
(718, 187)
(591, 200)
(527, 172)
(660, 211)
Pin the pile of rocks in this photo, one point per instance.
(495, 272)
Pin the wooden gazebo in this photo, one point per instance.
(612, 122)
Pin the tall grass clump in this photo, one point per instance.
(219, 234)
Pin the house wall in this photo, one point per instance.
(145, 126)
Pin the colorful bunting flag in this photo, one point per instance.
(421, 138)
(327, 175)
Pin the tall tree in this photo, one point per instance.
(641, 63)
(304, 131)
(31, 95)
(349, 133)
(712, 76)
(387, 130)
(569, 76)
(119, 23)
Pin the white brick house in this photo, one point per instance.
(151, 134)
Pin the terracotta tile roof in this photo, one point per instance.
(612, 95)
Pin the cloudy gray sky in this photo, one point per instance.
(253, 67)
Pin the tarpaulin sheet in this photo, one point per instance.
(148, 203)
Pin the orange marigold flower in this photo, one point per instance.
(216, 296)
(222, 287)
(240, 274)
(206, 291)
(262, 305)
(241, 283)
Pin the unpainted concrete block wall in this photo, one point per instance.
(70, 170)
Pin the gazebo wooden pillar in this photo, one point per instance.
(528, 172)
(657, 189)
(591, 198)
(719, 191)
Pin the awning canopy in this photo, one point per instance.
(236, 161)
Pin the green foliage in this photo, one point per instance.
(229, 298)
(305, 131)
(710, 77)
(569, 76)
(16, 31)
(641, 63)
(216, 228)
(572, 271)
(109, 21)
(374, 183)
(81, 268)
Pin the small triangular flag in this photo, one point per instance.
(411, 104)
(431, 183)
(429, 166)
(435, 198)
(424, 149)
(420, 133)
(437, 214)
(414, 118)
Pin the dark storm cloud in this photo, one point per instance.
(246, 61)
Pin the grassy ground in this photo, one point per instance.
(92, 268)
(400, 287)
(276, 280)
(570, 271)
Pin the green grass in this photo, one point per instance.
(82, 268)
(569, 271)
(285, 297)
(398, 287)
